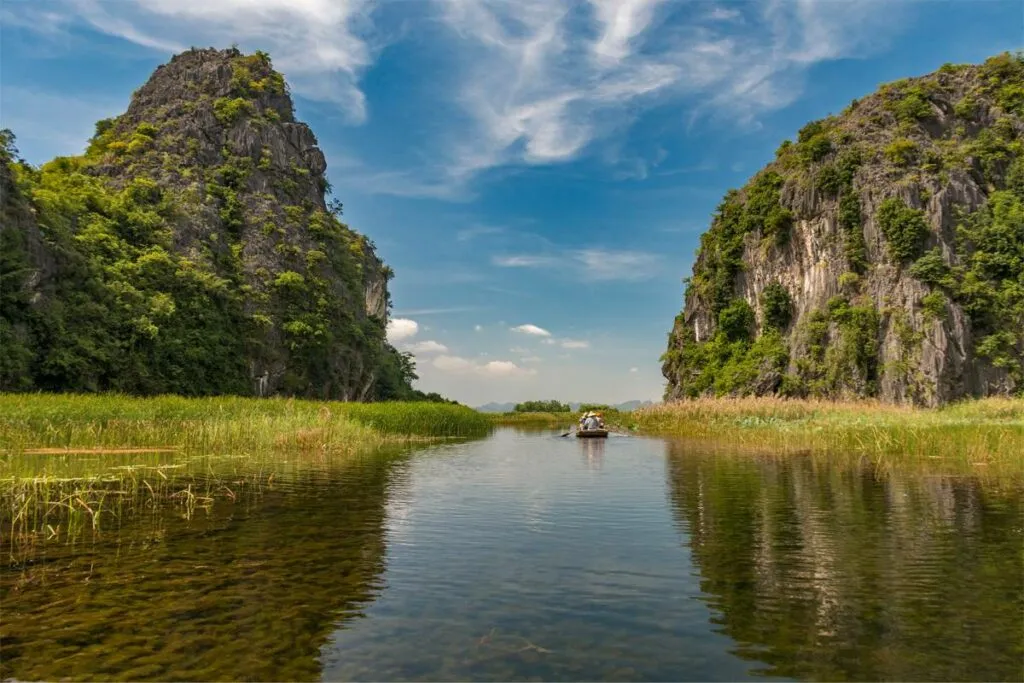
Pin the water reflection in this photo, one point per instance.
(831, 574)
(593, 452)
(509, 559)
(245, 591)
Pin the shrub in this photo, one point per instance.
(912, 107)
(934, 305)
(901, 152)
(848, 282)
(905, 229)
(228, 110)
(850, 219)
(966, 108)
(736, 321)
(931, 268)
(777, 306)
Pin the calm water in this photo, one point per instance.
(533, 557)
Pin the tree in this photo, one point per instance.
(542, 407)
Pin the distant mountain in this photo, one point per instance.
(575, 405)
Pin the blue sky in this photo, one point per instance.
(537, 172)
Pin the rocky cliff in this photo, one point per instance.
(190, 250)
(880, 254)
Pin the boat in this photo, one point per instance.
(592, 434)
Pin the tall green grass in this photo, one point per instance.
(68, 462)
(205, 424)
(986, 434)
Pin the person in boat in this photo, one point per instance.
(600, 420)
(591, 422)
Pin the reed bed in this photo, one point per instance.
(553, 419)
(29, 421)
(979, 434)
(70, 462)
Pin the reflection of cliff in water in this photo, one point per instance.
(249, 591)
(835, 574)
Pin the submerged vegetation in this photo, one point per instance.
(984, 436)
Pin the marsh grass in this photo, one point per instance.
(980, 435)
(68, 462)
(612, 418)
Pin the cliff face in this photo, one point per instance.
(881, 254)
(190, 250)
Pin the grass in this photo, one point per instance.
(980, 435)
(66, 461)
(224, 423)
(613, 418)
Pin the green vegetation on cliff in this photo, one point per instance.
(189, 250)
(898, 221)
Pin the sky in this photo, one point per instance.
(537, 172)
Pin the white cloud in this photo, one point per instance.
(575, 344)
(478, 231)
(525, 261)
(722, 14)
(622, 20)
(322, 46)
(634, 369)
(549, 342)
(603, 264)
(503, 368)
(453, 364)
(531, 359)
(400, 329)
(494, 368)
(518, 349)
(532, 330)
(477, 328)
(543, 81)
(536, 81)
(427, 346)
(437, 311)
(595, 265)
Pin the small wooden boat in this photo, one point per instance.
(592, 434)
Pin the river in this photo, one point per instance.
(527, 556)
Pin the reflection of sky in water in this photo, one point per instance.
(546, 541)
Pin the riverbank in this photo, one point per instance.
(70, 461)
(66, 421)
(567, 420)
(980, 434)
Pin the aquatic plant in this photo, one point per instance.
(981, 435)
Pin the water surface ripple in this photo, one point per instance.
(527, 556)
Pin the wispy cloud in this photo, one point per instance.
(575, 344)
(537, 82)
(544, 79)
(323, 46)
(494, 368)
(525, 261)
(594, 265)
(602, 264)
(477, 231)
(532, 330)
(436, 311)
